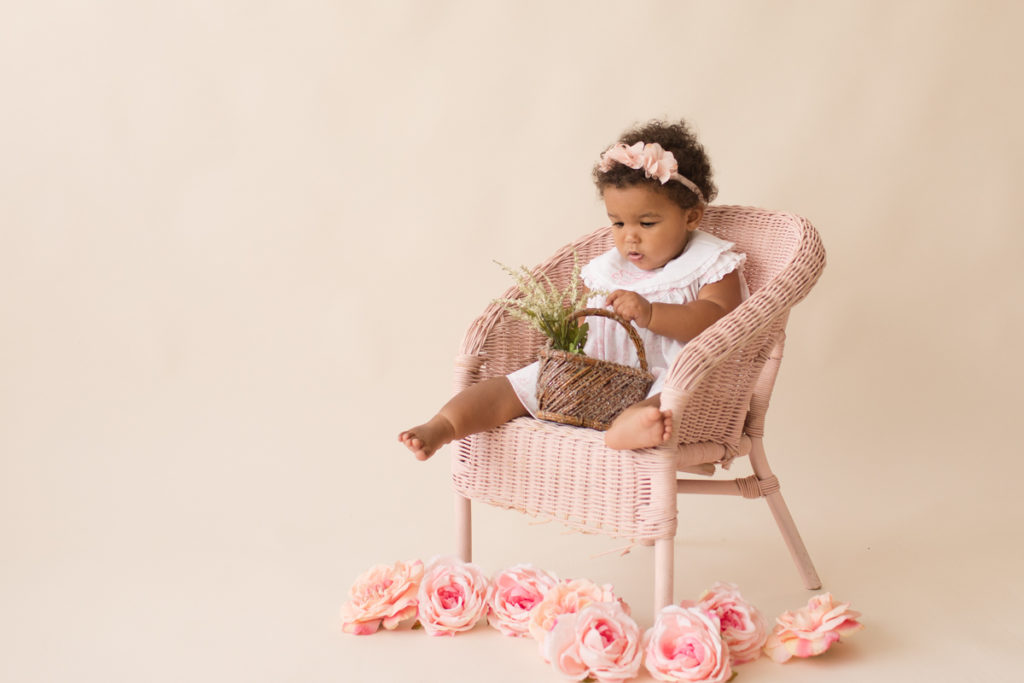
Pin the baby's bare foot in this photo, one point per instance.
(639, 427)
(425, 439)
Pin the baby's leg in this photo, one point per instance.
(482, 406)
(642, 425)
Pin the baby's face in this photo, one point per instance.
(649, 228)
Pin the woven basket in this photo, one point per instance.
(586, 392)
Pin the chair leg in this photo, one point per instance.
(463, 528)
(664, 554)
(784, 519)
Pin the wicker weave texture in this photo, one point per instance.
(579, 390)
(566, 473)
(719, 383)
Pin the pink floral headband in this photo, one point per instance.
(655, 161)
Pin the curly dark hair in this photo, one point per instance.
(676, 138)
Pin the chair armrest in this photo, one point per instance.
(483, 326)
(701, 355)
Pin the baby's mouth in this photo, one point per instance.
(634, 255)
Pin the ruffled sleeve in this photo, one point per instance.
(727, 262)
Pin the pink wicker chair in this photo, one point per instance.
(718, 389)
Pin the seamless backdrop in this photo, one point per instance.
(240, 242)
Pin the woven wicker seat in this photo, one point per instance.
(718, 389)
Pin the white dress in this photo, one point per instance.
(705, 259)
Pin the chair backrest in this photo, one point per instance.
(768, 238)
(784, 259)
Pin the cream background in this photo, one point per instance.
(241, 242)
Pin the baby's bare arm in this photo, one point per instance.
(681, 322)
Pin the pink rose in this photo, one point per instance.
(382, 594)
(686, 644)
(565, 597)
(514, 592)
(811, 630)
(600, 640)
(452, 596)
(743, 627)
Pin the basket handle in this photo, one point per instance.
(633, 335)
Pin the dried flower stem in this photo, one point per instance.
(549, 309)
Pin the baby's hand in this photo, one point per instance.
(631, 306)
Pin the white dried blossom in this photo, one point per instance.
(549, 309)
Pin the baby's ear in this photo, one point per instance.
(694, 217)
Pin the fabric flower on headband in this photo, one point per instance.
(656, 162)
(653, 159)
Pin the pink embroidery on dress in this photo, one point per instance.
(627, 277)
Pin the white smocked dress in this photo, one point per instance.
(705, 259)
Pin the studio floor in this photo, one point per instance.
(199, 593)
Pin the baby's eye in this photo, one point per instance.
(647, 224)
(617, 225)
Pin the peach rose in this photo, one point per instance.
(600, 641)
(452, 596)
(566, 597)
(383, 594)
(743, 627)
(514, 592)
(686, 644)
(811, 630)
